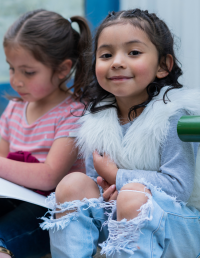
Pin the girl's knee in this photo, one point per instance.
(135, 187)
(130, 199)
(76, 186)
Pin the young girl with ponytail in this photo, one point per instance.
(37, 129)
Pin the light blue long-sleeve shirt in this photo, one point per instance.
(177, 159)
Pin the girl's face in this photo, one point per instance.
(126, 62)
(30, 78)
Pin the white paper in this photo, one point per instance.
(13, 191)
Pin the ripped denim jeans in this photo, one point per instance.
(164, 228)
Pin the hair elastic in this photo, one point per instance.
(69, 20)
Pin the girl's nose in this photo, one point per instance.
(119, 62)
(16, 81)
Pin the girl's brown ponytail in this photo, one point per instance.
(83, 46)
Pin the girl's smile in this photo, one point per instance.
(120, 78)
(126, 62)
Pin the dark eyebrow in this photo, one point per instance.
(25, 66)
(134, 41)
(104, 46)
(126, 43)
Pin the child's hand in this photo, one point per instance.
(105, 167)
(109, 191)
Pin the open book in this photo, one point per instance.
(13, 191)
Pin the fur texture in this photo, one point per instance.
(140, 147)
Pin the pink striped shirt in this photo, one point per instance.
(38, 137)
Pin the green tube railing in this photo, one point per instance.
(188, 128)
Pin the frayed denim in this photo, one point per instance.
(163, 228)
(123, 235)
(77, 233)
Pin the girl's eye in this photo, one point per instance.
(11, 69)
(135, 53)
(105, 56)
(29, 73)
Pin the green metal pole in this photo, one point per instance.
(188, 128)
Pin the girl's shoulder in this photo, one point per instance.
(71, 101)
(14, 104)
(14, 107)
(175, 100)
(70, 107)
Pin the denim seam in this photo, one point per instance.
(91, 238)
(184, 217)
(155, 232)
(26, 233)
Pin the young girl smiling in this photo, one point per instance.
(129, 136)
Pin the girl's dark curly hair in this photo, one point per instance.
(160, 36)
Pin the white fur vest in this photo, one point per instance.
(140, 147)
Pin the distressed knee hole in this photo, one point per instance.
(130, 199)
(70, 211)
(125, 232)
(76, 186)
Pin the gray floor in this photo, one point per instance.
(97, 255)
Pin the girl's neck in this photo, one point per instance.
(124, 108)
(124, 118)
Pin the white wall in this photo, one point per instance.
(183, 18)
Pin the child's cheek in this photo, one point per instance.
(11, 80)
(39, 90)
(144, 71)
(100, 73)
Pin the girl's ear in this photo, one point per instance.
(165, 67)
(64, 69)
